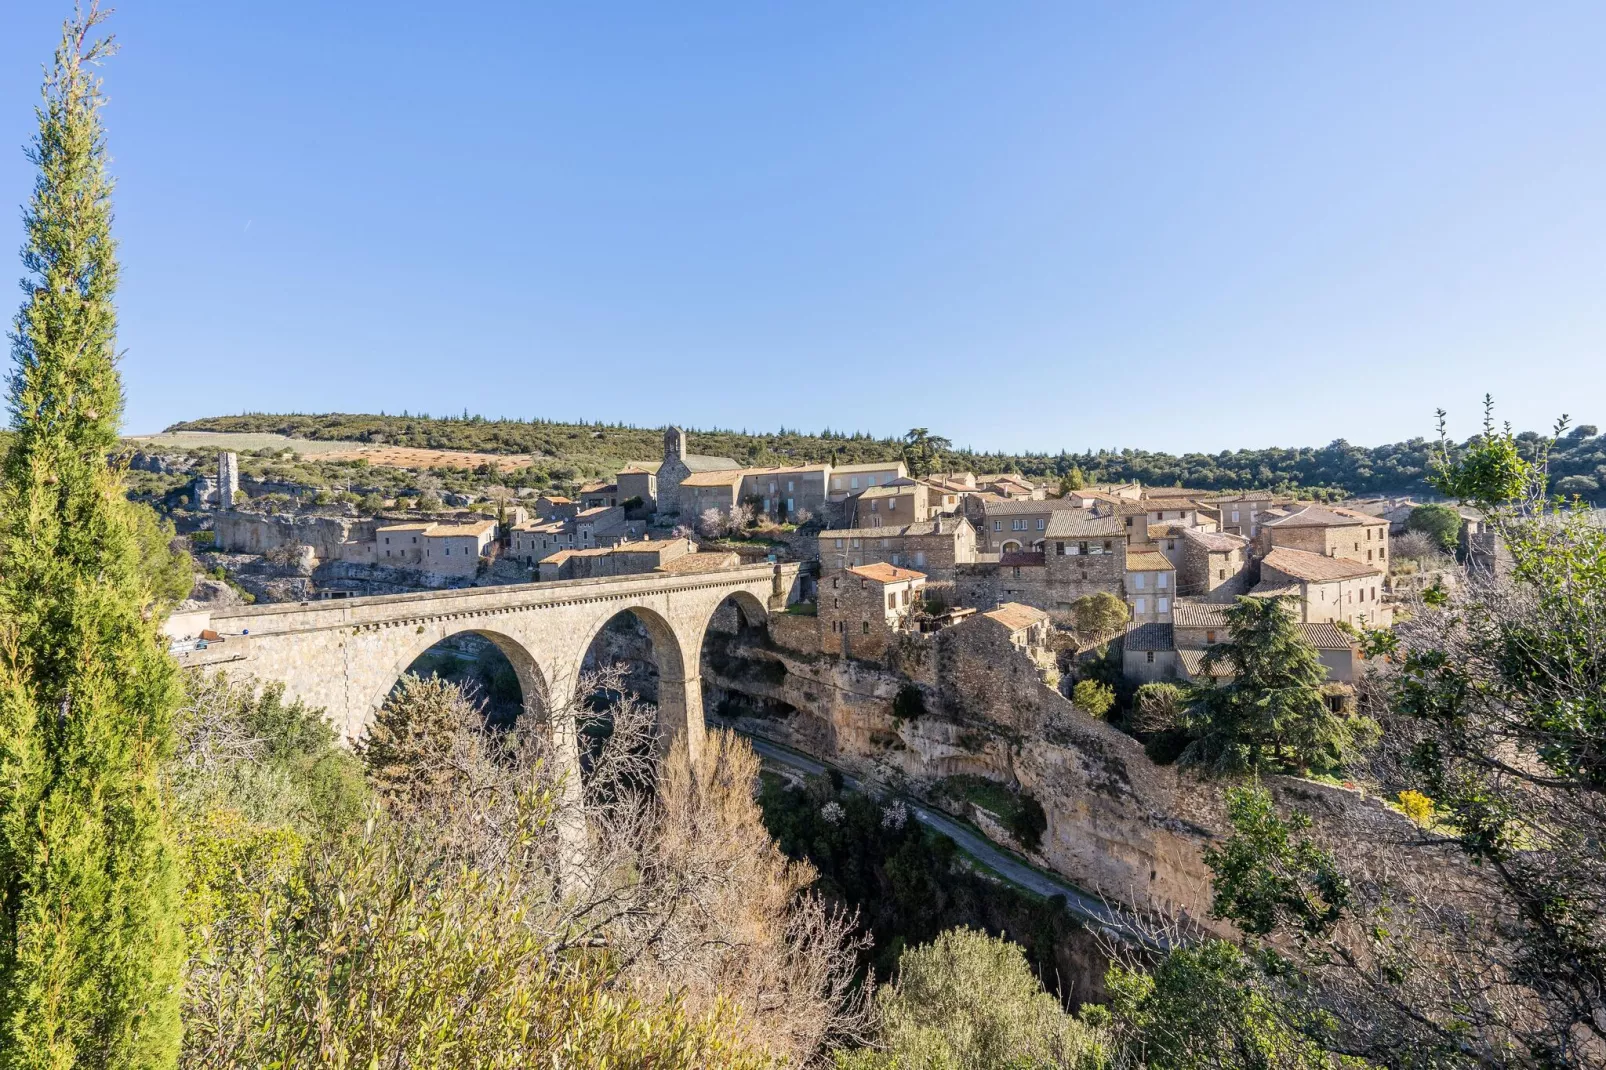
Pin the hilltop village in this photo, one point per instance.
(889, 553)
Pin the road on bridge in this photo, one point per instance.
(1086, 908)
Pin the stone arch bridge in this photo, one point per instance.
(346, 654)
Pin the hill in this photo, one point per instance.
(567, 450)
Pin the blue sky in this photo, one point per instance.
(1025, 226)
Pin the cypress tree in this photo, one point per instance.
(90, 951)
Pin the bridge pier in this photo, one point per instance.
(680, 714)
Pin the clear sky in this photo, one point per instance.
(1188, 226)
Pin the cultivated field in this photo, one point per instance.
(313, 449)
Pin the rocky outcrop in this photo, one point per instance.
(1118, 824)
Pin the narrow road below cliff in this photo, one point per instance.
(1087, 908)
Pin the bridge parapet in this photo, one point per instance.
(345, 655)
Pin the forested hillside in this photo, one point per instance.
(1578, 461)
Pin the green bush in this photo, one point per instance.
(968, 1001)
(1094, 697)
(909, 704)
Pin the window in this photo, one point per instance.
(1059, 549)
(836, 581)
(790, 487)
(1137, 581)
(863, 586)
(1017, 571)
(839, 544)
(892, 601)
(1164, 605)
(1141, 606)
(855, 482)
(1040, 523)
(869, 481)
(1382, 552)
(895, 560)
(1369, 553)
(1221, 573)
(866, 627)
(1017, 524)
(998, 525)
(920, 557)
(892, 504)
(1235, 516)
(1150, 656)
(448, 551)
(387, 540)
(790, 508)
(1210, 636)
(1107, 545)
(772, 486)
(855, 544)
(1165, 580)
(836, 603)
(1081, 548)
(875, 521)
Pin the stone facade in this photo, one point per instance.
(861, 609)
(849, 479)
(934, 547)
(640, 483)
(1085, 553)
(677, 464)
(1018, 524)
(903, 501)
(344, 656)
(1208, 560)
(1151, 586)
(1330, 532)
(1328, 588)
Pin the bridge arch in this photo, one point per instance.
(533, 686)
(679, 697)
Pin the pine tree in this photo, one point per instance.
(1272, 712)
(90, 949)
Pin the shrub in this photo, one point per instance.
(1094, 697)
(1156, 707)
(969, 1000)
(1416, 806)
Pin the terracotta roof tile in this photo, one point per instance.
(1315, 568)
(1022, 558)
(1147, 561)
(1016, 616)
(1215, 541)
(883, 573)
(1082, 524)
(1198, 615)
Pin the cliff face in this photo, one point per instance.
(1118, 824)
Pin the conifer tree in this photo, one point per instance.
(90, 951)
(1272, 712)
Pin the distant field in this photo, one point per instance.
(314, 449)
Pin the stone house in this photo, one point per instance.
(401, 545)
(783, 493)
(1008, 485)
(1085, 552)
(934, 546)
(1147, 521)
(456, 549)
(1019, 523)
(1241, 513)
(849, 479)
(598, 526)
(1026, 628)
(903, 501)
(1330, 532)
(555, 507)
(640, 482)
(861, 609)
(1328, 588)
(599, 495)
(1150, 582)
(701, 491)
(1149, 653)
(677, 465)
(1198, 626)
(533, 542)
(1207, 560)
(626, 558)
(1015, 577)
(944, 496)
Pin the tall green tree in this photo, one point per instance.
(922, 450)
(1272, 712)
(90, 951)
(1439, 522)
